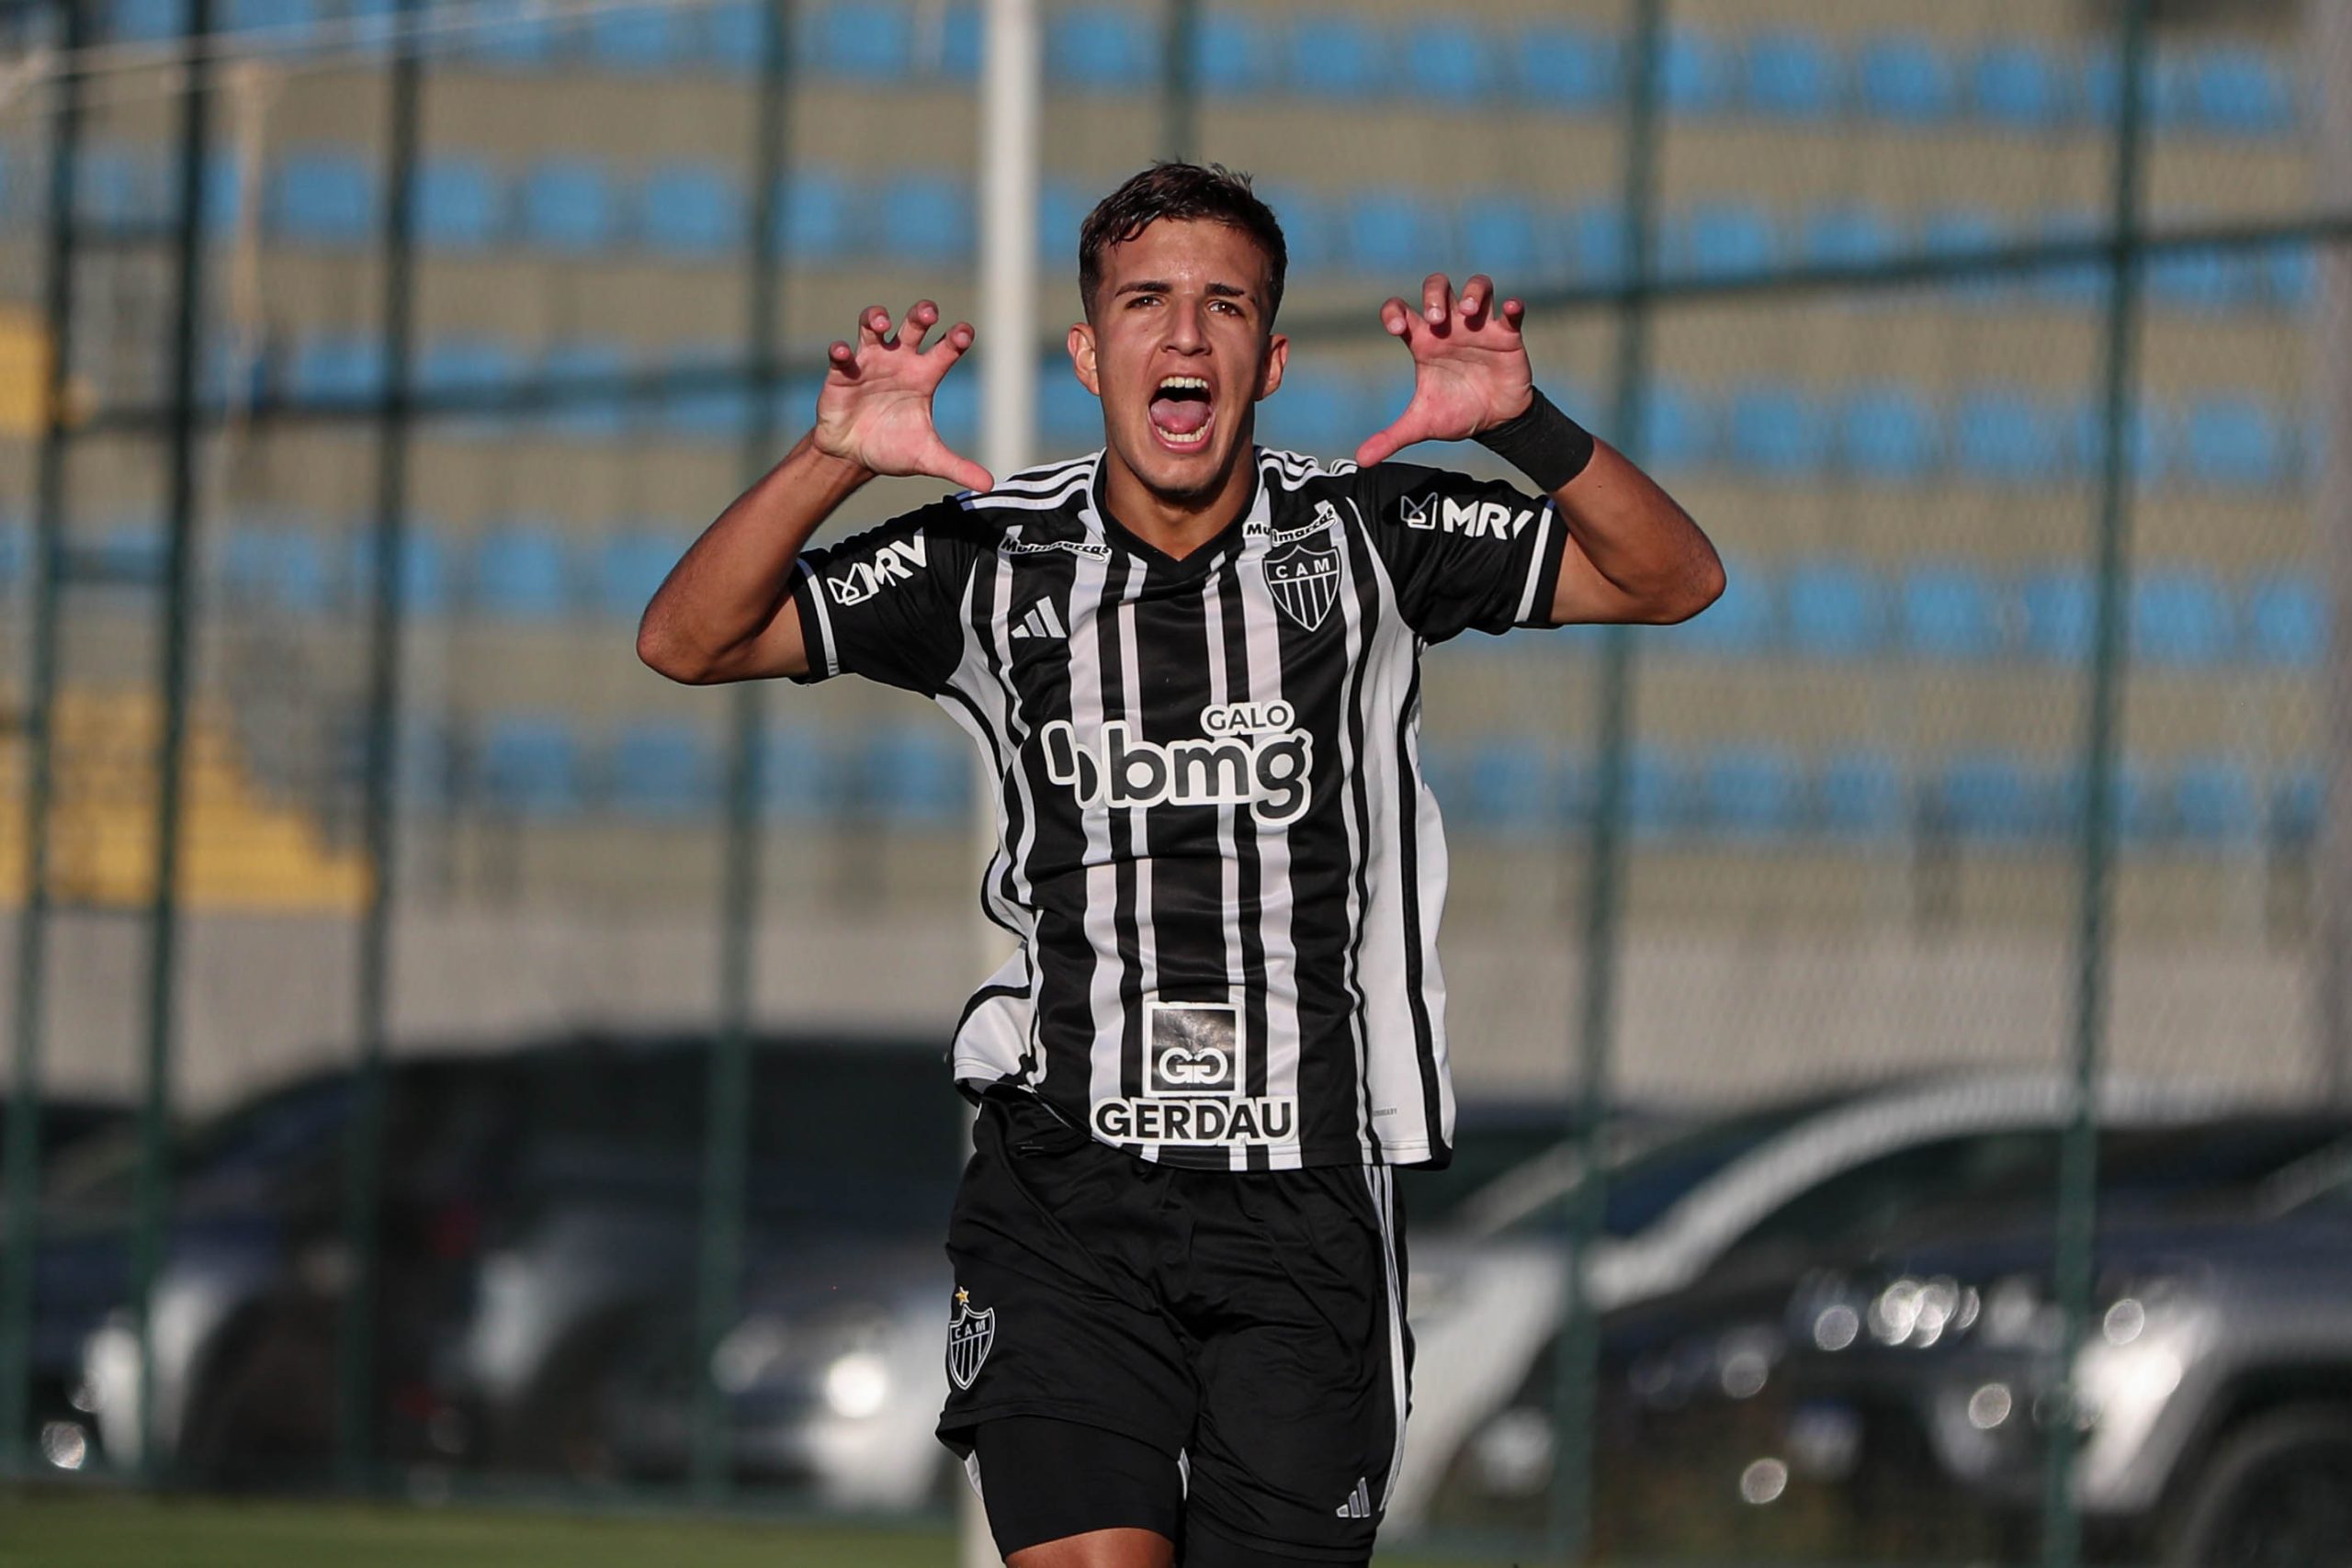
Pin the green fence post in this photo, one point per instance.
(1576, 1371)
(1179, 88)
(32, 920)
(2078, 1159)
(363, 1153)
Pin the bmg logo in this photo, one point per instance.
(1191, 1048)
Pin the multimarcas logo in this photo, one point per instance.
(1248, 755)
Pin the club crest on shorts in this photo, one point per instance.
(1304, 581)
(969, 1335)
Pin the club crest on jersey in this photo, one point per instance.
(969, 1335)
(1305, 581)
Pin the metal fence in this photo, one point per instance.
(2001, 348)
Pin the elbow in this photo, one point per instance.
(1700, 586)
(661, 653)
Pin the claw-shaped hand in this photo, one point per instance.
(875, 407)
(1470, 369)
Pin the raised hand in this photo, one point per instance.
(1470, 369)
(875, 407)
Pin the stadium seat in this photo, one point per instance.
(1104, 48)
(1062, 207)
(712, 403)
(511, 35)
(290, 23)
(1562, 67)
(956, 411)
(2290, 275)
(1966, 230)
(2214, 800)
(665, 771)
(2297, 794)
(1991, 796)
(531, 765)
(2019, 86)
(2242, 92)
(281, 568)
(639, 38)
(948, 40)
(1792, 76)
(1904, 78)
(1716, 238)
(2149, 443)
(1596, 243)
(1310, 230)
(2207, 280)
(1751, 792)
(2180, 617)
(1394, 234)
(1697, 72)
(916, 774)
(927, 219)
(865, 40)
(1862, 795)
(323, 195)
(521, 572)
(627, 568)
(1886, 434)
(798, 770)
(568, 206)
(2081, 283)
(1776, 430)
(1658, 795)
(146, 21)
(1847, 236)
(1448, 64)
(2234, 443)
(1315, 412)
(1833, 609)
(591, 415)
(1335, 55)
(471, 364)
(337, 367)
(2059, 609)
(1738, 622)
(425, 573)
(1506, 784)
(2007, 437)
(1950, 612)
(2140, 803)
(816, 216)
(690, 210)
(2287, 622)
(1235, 54)
(1678, 429)
(1499, 237)
(460, 202)
(1069, 418)
(734, 33)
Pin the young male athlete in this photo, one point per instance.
(1192, 667)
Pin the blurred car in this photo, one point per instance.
(1487, 1295)
(1882, 1392)
(538, 1221)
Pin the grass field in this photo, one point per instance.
(129, 1531)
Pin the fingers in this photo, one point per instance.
(841, 358)
(1437, 299)
(1476, 295)
(955, 341)
(1395, 317)
(1382, 445)
(873, 328)
(1514, 311)
(940, 462)
(918, 320)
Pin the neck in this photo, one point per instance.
(1176, 525)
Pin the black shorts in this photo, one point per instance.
(1248, 1325)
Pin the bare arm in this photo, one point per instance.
(725, 611)
(1633, 554)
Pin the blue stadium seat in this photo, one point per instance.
(1862, 795)
(1886, 434)
(424, 568)
(593, 415)
(2243, 92)
(867, 40)
(2208, 280)
(1950, 612)
(1793, 76)
(1395, 233)
(2148, 442)
(2059, 610)
(282, 567)
(1904, 78)
(1499, 237)
(799, 771)
(640, 39)
(460, 202)
(2287, 621)
(1598, 246)
(337, 366)
(1677, 428)
(1235, 54)
(146, 21)
(1062, 207)
(470, 363)
(1697, 72)
(1716, 238)
(918, 775)
(289, 22)
(948, 42)
(2078, 283)
(690, 210)
(1848, 236)
(711, 404)
(665, 771)
(1310, 230)
(323, 195)
(1335, 55)
(2298, 796)
(1739, 623)
(1315, 412)
(956, 411)
(627, 568)
(816, 216)
(927, 219)
(734, 33)
(1752, 792)
(1505, 783)
(1834, 609)
(2215, 800)
(568, 205)
(1069, 418)
(2180, 617)
(1966, 231)
(1776, 429)
(2140, 802)
(2018, 86)
(1992, 796)
(1658, 793)
(1449, 63)
(2008, 436)
(513, 35)
(2234, 443)
(1106, 47)
(1565, 67)
(2290, 274)
(521, 572)
(530, 765)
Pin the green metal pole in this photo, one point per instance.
(728, 1117)
(180, 560)
(363, 1153)
(1179, 81)
(1576, 1371)
(32, 921)
(2078, 1157)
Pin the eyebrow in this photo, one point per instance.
(1161, 286)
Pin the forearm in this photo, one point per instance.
(723, 611)
(1641, 557)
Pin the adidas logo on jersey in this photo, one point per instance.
(1041, 621)
(1248, 758)
(1359, 1503)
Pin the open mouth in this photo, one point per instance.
(1181, 412)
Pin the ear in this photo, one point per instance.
(1081, 358)
(1277, 357)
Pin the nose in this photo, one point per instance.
(1184, 329)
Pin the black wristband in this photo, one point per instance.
(1541, 443)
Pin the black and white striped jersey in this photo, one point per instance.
(1215, 845)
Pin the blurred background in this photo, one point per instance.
(449, 1064)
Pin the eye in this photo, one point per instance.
(1227, 306)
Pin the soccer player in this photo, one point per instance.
(1190, 665)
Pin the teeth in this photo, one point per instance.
(1182, 382)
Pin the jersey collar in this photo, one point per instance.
(1245, 532)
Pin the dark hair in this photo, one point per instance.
(1186, 192)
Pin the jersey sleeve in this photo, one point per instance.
(1465, 553)
(887, 603)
